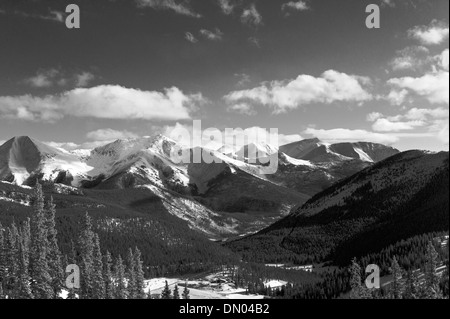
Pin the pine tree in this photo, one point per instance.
(24, 291)
(186, 292)
(131, 275)
(54, 254)
(412, 287)
(355, 281)
(73, 261)
(12, 261)
(397, 275)
(176, 293)
(86, 243)
(2, 258)
(108, 277)
(97, 274)
(140, 280)
(166, 293)
(121, 288)
(39, 268)
(432, 289)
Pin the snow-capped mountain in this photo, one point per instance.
(23, 160)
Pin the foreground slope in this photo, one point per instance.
(400, 197)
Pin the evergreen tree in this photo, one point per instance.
(140, 280)
(166, 293)
(176, 293)
(108, 276)
(186, 292)
(131, 275)
(24, 291)
(2, 258)
(12, 261)
(39, 269)
(97, 273)
(412, 287)
(355, 281)
(397, 275)
(86, 243)
(53, 255)
(121, 288)
(73, 261)
(432, 289)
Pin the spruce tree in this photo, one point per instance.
(12, 261)
(186, 292)
(39, 269)
(86, 243)
(108, 276)
(176, 293)
(432, 289)
(54, 255)
(97, 274)
(140, 280)
(131, 275)
(2, 257)
(166, 293)
(24, 291)
(73, 261)
(397, 275)
(355, 280)
(121, 288)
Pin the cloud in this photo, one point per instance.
(242, 108)
(295, 6)
(251, 16)
(444, 60)
(190, 37)
(177, 6)
(230, 136)
(433, 86)
(411, 58)
(347, 135)
(254, 41)
(46, 78)
(388, 3)
(83, 79)
(433, 34)
(385, 125)
(244, 79)
(43, 78)
(109, 134)
(215, 35)
(227, 6)
(105, 101)
(331, 86)
(53, 15)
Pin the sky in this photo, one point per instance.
(309, 68)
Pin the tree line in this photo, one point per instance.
(33, 267)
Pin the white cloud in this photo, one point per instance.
(215, 35)
(46, 78)
(435, 33)
(397, 97)
(443, 134)
(433, 86)
(190, 37)
(254, 41)
(444, 60)
(83, 79)
(331, 86)
(388, 3)
(242, 108)
(411, 58)
(296, 6)
(227, 6)
(109, 134)
(347, 135)
(106, 101)
(385, 125)
(230, 136)
(251, 16)
(178, 6)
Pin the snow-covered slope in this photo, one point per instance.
(23, 159)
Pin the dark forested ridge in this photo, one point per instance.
(397, 199)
